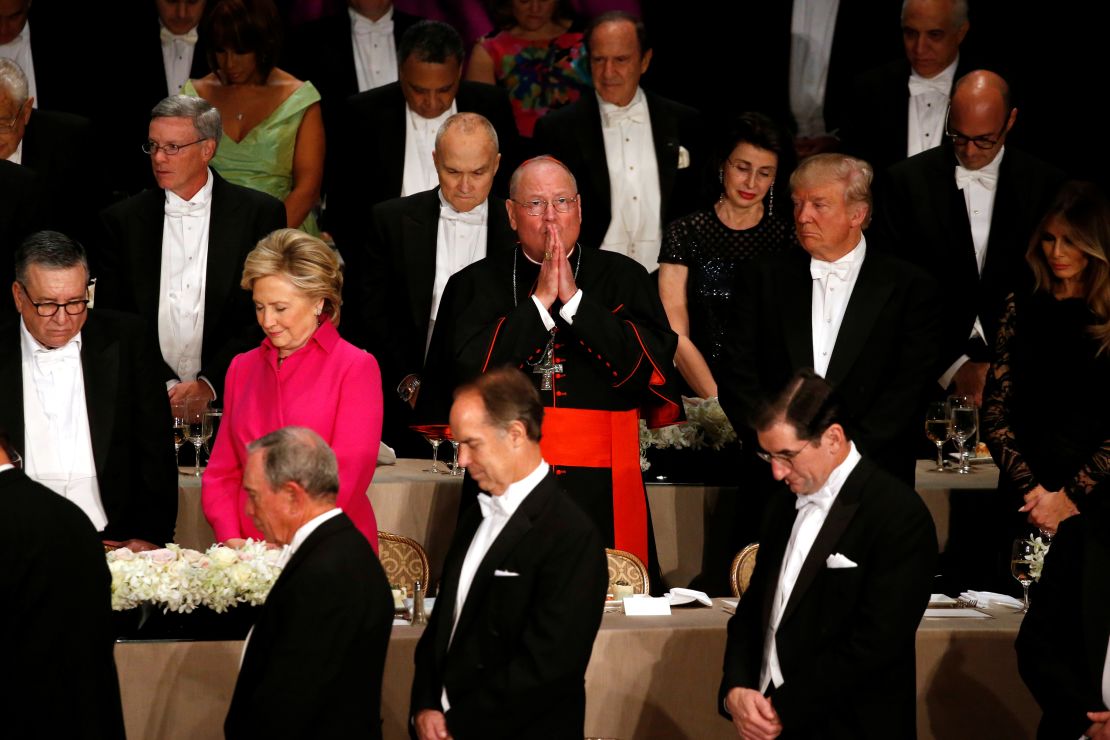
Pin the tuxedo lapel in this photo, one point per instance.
(343, 44)
(1096, 606)
(146, 225)
(592, 142)
(795, 288)
(225, 234)
(956, 248)
(100, 367)
(664, 132)
(419, 242)
(773, 549)
(869, 295)
(11, 380)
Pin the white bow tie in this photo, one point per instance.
(822, 500)
(184, 208)
(922, 86)
(820, 269)
(48, 359)
(366, 27)
(471, 217)
(492, 506)
(189, 38)
(965, 177)
(634, 113)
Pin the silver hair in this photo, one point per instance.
(205, 117)
(514, 181)
(299, 455)
(14, 81)
(469, 123)
(854, 174)
(959, 12)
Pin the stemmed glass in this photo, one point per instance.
(455, 469)
(965, 420)
(210, 427)
(1021, 566)
(938, 428)
(180, 428)
(196, 408)
(435, 434)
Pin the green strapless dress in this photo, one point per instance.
(263, 160)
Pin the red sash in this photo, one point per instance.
(586, 438)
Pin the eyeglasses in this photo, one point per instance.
(7, 125)
(786, 458)
(152, 147)
(985, 142)
(538, 207)
(49, 308)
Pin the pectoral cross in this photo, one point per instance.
(547, 367)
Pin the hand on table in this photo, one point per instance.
(431, 724)
(132, 545)
(1100, 729)
(1047, 509)
(752, 714)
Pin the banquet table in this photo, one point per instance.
(649, 677)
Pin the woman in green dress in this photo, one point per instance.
(273, 137)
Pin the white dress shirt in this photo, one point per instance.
(375, 50)
(6, 466)
(185, 227)
(812, 24)
(927, 106)
(634, 197)
(460, 241)
(17, 155)
(813, 509)
(420, 140)
(177, 57)
(831, 293)
(496, 513)
(56, 424)
(979, 188)
(19, 51)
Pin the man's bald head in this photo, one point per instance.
(466, 160)
(980, 118)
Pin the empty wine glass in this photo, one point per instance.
(180, 428)
(938, 428)
(455, 468)
(1021, 566)
(195, 410)
(965, 420)
(210, 428)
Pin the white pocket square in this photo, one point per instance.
(836, 560)
(505, 574)
(683, 157)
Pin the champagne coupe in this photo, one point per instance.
(435, 434)
(195, 411)
(1021, 566)
(180, 428)
(965, 420)
(938, 428)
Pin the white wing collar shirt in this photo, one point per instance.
(56, 424)
(19, 51)
(812, 23)
(17, 155)
(928, 103)
(634, 197)
(833, 283)
(460, 241)
(420, 139)
(177, 56)
(812, 512)
(375, 51)
(185, 228)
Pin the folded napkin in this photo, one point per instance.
(386, 455)
(986, 599)
(699, 596)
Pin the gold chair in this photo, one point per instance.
(742, 566)
(625, 566)
(403, 560)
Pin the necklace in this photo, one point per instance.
(577, 265)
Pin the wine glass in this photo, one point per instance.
(1021, 565)
(180, 428)
(196, 408)
(210, 426)
(435, 434)
(938, 428)
(965, 420)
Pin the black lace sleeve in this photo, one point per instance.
(997, 397)
(1095, 472)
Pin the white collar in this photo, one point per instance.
(6, 466)
(638, 99)
(831, 488)
(202, 196)
(305, 531)
(516, 492)
(991, 169)
(855, 254)
(30, 345)
(478, 210)
(946, 75)
(418, 123)
(360, 19)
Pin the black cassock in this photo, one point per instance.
(616, 356)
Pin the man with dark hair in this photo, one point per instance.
(843, 576)
(388, 134)
(313, 663)
(84, 409)
(507, 646)
(63, 635)
(174, 255)
(638, 154)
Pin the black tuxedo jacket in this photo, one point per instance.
(129, 423)
(882, 363)
(62, 637)
(573, 135)
(21, 203)
(131, 264)
(369, 161)
(1061, 647)
(314, 662)
(921, 216)
(517, 663)
(846, 637)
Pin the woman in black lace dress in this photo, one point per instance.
(1046, 408)
(703, 253)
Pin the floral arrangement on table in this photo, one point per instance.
(1036, 559)
(179, 579)
(706, 427)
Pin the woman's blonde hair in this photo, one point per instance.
(1086, 211)
(304, 260)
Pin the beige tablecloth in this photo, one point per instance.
(649, 677)
(936, 490)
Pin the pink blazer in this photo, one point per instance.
(329, 386)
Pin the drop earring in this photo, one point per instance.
(771, 202)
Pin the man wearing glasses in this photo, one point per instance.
(965, 212)
(83, 408)
(822, 644)
(588, 329)
(174, 255)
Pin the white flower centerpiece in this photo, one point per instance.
(706, 427)
(1036, 560)
(178, 579)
